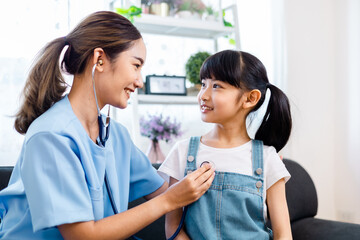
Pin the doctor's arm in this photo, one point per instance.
(125, 224)
(278, 211)
(157, 192)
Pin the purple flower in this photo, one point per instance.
(158, 127)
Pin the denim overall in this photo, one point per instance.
(232, 208)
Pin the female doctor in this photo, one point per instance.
(78, 170)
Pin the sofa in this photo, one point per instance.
(302, 202)
(303, 205)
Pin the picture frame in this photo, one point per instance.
(165, 85)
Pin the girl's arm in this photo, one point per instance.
(125, 224)
(278, 211)
(172, 220)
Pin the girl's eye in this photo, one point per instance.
(137, 65)
(216, 86)
(202, 84)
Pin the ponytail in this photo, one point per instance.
(276, 125)
(44, 86)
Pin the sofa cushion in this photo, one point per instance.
(5, 173)
(300, 192)
(315, 229)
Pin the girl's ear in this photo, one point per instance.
(252, 98)
(99, 59)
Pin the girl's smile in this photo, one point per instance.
(204, 108)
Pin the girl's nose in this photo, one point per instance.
(203, 94)
(202, 98)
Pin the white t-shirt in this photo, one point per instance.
(236, 160)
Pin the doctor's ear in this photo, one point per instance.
(252, 98)
(99, 58)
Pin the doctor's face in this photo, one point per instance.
(123, 76)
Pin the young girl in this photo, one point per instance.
(250, 177)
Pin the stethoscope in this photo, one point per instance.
(115, 210)
(102, 137)
(102, 141)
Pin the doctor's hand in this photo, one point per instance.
(190, 188)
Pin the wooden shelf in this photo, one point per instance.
(195, 28)
(180, 27)
(166, 99)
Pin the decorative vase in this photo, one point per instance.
(154, 152)
(184, 14)
(210, 18)
(160, 9)
(194, 90)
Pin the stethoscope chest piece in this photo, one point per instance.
(208, 162)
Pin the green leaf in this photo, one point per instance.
(226, 23)
(130, 12)
(232, 41)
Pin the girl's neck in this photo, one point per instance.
(226, 137)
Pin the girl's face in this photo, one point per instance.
(219, 102)
(123, 76)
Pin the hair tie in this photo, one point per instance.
(66, 41)
(268, 85)
(255, 118)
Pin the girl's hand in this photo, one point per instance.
(190, 188)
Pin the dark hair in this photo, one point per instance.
(45, 84)
(245, 71)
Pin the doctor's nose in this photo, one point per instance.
(139, 82)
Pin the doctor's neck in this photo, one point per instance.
(82, 100)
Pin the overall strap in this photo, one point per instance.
(257, 158)
(190, 167)
(191, 155)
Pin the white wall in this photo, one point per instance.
(310, 87)
(322, 40)
(347, 117)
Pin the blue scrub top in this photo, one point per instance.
(59, 176)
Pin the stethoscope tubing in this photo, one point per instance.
(102, 142)
(180, 224)
(100, 120)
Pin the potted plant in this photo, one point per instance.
(210, 14)
(189, 8)
(193, 65)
